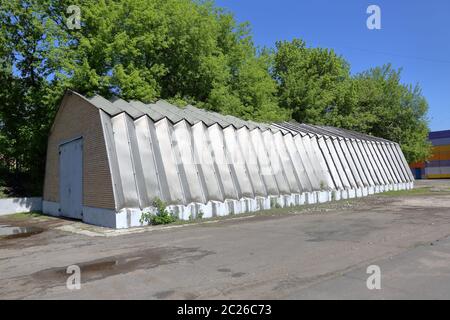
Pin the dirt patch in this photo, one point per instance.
(14, 232)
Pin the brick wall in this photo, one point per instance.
(78, 118)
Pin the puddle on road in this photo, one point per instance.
(121, 264)
(13, 232)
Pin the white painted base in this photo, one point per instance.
(352, 193)
(50, 208)
(130, 217)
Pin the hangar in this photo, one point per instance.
(107, 160)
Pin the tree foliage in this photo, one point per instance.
(316, 85)
(393, 111)
(185, 51)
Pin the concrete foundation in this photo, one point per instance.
(127, 218)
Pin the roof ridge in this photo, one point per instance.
(163, 109)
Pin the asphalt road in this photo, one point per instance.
(319, 253)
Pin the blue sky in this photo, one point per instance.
(415, 36)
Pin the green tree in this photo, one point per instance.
(28, 49)
(181, 50)
(317, 86)
(314, 83)
(394, 111)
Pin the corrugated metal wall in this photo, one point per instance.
(201, 161)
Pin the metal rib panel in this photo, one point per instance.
(366, 172)
(371, 162)
(238, 165)
(350, 174)
(330, 163)
(204, 159)
(311, 171)
(382, 156)
(159, 161)
(337, 163)
(348, 145)
(144, 201)
(275, 163)
(164, 136)
(251, 162)
(401, 156)
(402, 162)
(125, 161)
(358, 144)
(401, 174)
(395, 161)
(333, 179)
(286, 162)
(393, 152)
(265, 167)
(317, 161)
(148, 151)
(230, 185)
(299, 166)
(352, 162)
(378, 166)
(387, 160)
(179, 163)
(190, 176)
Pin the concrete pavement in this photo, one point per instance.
(308, 253)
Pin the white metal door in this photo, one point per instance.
(71, 179)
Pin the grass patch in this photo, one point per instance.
(25, 215)
(422, 191)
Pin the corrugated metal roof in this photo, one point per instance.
(353, 134)
(163, 109)
(329, 131)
